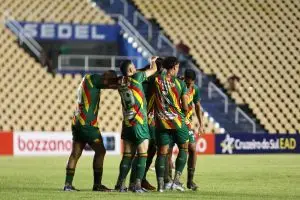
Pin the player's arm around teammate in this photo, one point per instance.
(149, 94)
(135, 133)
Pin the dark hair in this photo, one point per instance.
(170, 62)
(190, 74)
(124, 66)
(159, 63)
(111, 72)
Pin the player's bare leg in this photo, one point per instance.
(125, 165)
(77, 149)
(141, 165)
(191, 166)
(98, 160)
(160, 165)
(179, 166)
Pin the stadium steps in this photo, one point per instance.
(117, 8)
(214, 106)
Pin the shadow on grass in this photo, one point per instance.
(166, 195)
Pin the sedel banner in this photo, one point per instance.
(54, 31)
(57, 143)
(249, 143)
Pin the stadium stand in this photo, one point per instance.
(67, 11)
(32, 99)
(258, 41)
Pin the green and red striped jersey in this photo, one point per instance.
(133, 100)
(88, 98)
(149, 89)
(193, 98)
(149, 93)
(168, 108)
(150, 109)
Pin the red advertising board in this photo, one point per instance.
(6, 143)
(205, 144)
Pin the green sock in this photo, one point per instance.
(69, 176)
(151, 154)
(141, 164)
(124, 169)
(167, 177)
(98, 175)
(160, 164)
(181, 160)
(133, 170)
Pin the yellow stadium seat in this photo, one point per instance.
(235, 26)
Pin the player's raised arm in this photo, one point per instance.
(108, 80)
(153, 67)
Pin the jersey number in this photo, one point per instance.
(127, 101)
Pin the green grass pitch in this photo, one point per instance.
(220, 177)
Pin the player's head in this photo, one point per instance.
(171, 64)
(127, 68)
(189, 77)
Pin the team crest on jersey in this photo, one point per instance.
(165, 115)
(167, 84)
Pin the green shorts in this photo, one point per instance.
(87, 134)
(191, 136)
(135, 134)
(170, 136)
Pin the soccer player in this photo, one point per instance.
(85, 127)
(170, 98)
(135, 133)
(149, 94)
(193, 98)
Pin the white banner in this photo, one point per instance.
(58, 143)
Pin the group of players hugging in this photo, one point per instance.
(157, 110)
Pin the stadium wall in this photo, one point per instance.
(68, 31)
(60, 144)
